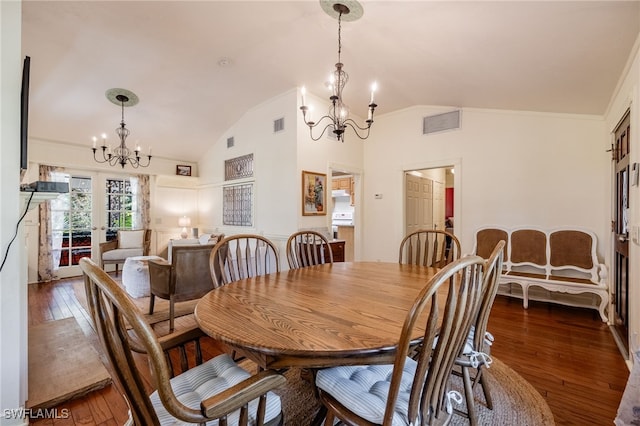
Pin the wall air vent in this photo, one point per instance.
(278, 125)
(230, 142)
(441, 122)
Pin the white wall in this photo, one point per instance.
(274, 158)
(512, 169)
(279, 159)
(627, 97)
(13, 297)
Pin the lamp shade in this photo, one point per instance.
(184, 221)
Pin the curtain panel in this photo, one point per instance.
(49, 245)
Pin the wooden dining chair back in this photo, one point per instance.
(412, 391)
(215, 390)
(242, 256)
(186, 277)
(475, 356)
(308, 248)
(429, 247)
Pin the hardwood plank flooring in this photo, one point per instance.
(567, 354)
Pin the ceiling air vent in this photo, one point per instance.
(441, 122)
(278, 125)
(230, 142)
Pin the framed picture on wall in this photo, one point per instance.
(314, 194)
(183, 170)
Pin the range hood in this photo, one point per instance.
(339, 193)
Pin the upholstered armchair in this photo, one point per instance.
(128, 243)
(186, 277)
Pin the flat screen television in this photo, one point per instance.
(24, 116)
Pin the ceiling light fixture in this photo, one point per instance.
(120, 154)
(338, 111)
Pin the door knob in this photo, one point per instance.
(93, 228)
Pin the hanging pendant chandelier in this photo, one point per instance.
(120, 154)
(338, 115)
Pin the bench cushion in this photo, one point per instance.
(550, 278)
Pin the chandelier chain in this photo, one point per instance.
(339, 36)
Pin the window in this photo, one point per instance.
(238, 205)
(122, 205)
(237, 200)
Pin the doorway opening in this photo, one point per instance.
(344, 208)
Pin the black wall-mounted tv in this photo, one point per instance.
(24, 116)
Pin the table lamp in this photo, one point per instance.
(184, 221)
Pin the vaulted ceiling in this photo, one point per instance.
(198, 66)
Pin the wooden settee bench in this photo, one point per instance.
(549, 265)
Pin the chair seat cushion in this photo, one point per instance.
(363, 389)
(208, 379)
(121, 254)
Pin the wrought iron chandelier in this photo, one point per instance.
(120, 154)
(338, 115)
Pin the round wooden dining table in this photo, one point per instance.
(319, 316)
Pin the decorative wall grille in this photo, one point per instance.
(239, 167)
(237, 206)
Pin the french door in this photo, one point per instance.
(96, 207)
(620, 226)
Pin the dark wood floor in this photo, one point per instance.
(567, 354)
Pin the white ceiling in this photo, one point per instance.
(541, 55)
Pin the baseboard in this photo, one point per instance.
(621, 347)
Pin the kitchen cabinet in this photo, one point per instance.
(345, 183)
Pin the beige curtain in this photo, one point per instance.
(144, 200)
(49, 245)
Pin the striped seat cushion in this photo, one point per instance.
(363, 389)
(208, 379)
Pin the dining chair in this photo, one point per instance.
(242, 256)
(429, 247)
(475, 355)
(412, 391)
(128, 243)
(186, 277)
(217, 389)
(308, 248)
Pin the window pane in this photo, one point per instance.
(238, 205)
(121, 206)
